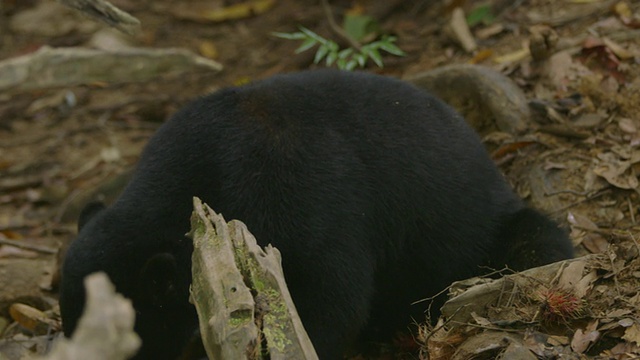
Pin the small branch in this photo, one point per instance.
(104, 11)
(22, 245)
(337, 29)
(62, 67)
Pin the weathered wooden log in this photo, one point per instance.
(488, 100)
(239, 291)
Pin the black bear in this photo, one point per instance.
(376, 193)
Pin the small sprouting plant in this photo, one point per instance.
(348, 58)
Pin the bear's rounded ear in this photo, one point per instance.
(89, 211)
(158, 279)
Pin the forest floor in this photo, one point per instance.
(578, 160)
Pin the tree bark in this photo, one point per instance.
(244, 306)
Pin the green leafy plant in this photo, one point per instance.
(481, 15)
(348, 58)
(360, 26)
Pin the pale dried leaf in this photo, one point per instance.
(626, 322)
(460, 29)
(632, 334)
(110, 154)
(207, 11)
(512, 57)
(627, 125)
(616, 313)
(595, 243)
(32, 319)
(581, 221)
(571, 275)
(585, 284)
(480, 320)
(582, 340)
(617, 49)
(615, 171)
(561, 69)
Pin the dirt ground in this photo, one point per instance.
(578, 62)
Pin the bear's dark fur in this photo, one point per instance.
(376, 193)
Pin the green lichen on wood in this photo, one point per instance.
(275, 326)
(198, 228)
(240, 317)
(276, 319)
(248, 266)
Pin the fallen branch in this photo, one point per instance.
(492, 101)
(104, 11)
(48, 67)
(27, 246)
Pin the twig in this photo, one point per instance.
(104, 11)
(22, 245)
(611, 255)
(445, 323)
(337, 29)
(631, 210)
(595, 195)
(487, 327)
(633, 238)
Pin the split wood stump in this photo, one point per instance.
(239, 291)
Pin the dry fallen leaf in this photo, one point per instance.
(597, 54)
(460, 30)
(441, 343)
(622, 9)
(32, 319)
(616, 313)
(632, 334)
(626, 14)
(581, 221)
(562, 70)
(482, 321)
(573, 280)
(585, 284)
(595, 243)
(571, 275)
(208, 49)
(110, 154)
(205, 12)
(581, 340)
(622, 351)
(628, 125)
(513, 56)
(618, 49)
(615, 171)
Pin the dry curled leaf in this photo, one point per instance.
(632, 334)
(616, 171)
(581, 221)
(32, 319)
(582, 339)
(571, 275)
(204, 12)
